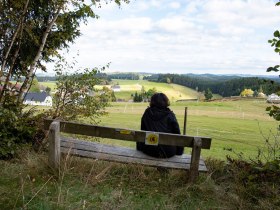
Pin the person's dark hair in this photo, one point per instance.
(159, 100)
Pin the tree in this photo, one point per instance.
(107, 95)
(256, 93)
(151, 92)
(76, 96)
(168, 80)
(48, 89)
(33, 32)
(41, 28)
(247, 93)
(137, 97)
(208, 94)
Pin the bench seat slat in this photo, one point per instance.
(124, 155)
(111, 149)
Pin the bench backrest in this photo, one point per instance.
(127, 134)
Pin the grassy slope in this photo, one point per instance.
(173, 91)
(128, 87)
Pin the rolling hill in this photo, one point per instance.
(173, 91)
(128, 87)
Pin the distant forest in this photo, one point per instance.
(101, 76)
(219, 84)
(129, 76)
(224, 85)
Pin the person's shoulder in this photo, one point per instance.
(171, 113)
(146, 110)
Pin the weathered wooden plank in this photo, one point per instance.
(54, 145)
(195, 159)
(115, 150)
(127, 134)
(108, 152)
(129, 160)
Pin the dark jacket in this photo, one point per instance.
(160, 120)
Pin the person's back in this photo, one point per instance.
(158, 117)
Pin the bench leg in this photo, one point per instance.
(195, 159)
(54, 145)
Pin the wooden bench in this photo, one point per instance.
(60, 144)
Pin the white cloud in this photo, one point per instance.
(199, 36)
(175, 5)
(175, 24)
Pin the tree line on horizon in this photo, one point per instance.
(222, 86)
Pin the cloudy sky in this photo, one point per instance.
(181, 36)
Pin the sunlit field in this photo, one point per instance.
(173, 91)
(51, 85)
(239, 126)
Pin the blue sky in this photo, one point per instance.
(181, 36)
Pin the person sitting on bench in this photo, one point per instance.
(159, 118)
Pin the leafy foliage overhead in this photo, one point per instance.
(32, 32)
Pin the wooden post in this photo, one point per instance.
(196, 150)
(185, 120)
(54, 145)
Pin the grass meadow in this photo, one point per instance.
(234, 126)
(242, 126)
(173, 91)
(28, 182)
(51, 85)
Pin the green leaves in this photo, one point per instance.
(276, 34)
(275, 68)
(17, 128)
(208, 94)
(76, 95)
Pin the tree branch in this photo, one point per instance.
(26, 84)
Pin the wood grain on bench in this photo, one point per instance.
(124, 154)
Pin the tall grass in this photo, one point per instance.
(29, 183)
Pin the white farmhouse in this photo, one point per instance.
(38, 99)
(116, 88)
(273, 98)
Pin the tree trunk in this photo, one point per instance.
(13, 38)
(7, 80)
(26, 84)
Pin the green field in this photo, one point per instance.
(51, 85)
(241, 126)
(128, 87)
(27, 182)
(173, 91)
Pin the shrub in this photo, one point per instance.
(17, 128)
(255, 180)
